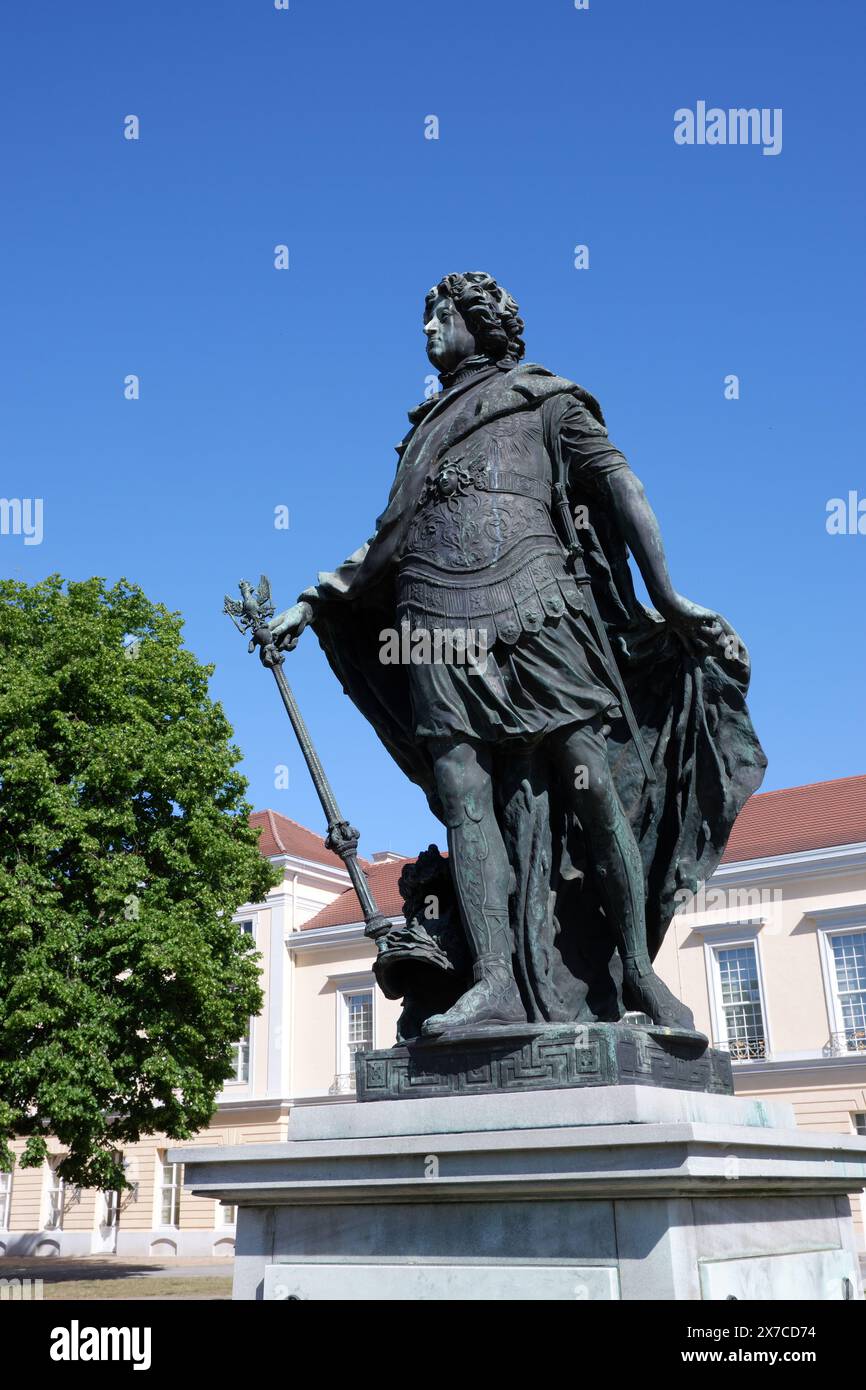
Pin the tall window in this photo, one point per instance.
(355, 1028)
(112, 1208)
(359, 1024)
(171, 1182)
(56, 1196)
(740, 1008)
(241, 1058)
(241, 1049)
(5, 1199)
(849, 964)
(226, 1215)
(111, 1200)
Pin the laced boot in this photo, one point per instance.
(493, 999)
(645, 992)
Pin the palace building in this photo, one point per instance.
(770, 956)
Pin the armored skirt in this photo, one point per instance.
(485, 562)
(545, 681)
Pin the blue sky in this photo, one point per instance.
(262, 387)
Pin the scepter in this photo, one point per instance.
(252, 615)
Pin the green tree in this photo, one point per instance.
(125, 849)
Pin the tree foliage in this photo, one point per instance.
(125, 849)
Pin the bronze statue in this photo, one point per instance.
(593, 762)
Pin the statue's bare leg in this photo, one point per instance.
(618, 872)
(480, 870)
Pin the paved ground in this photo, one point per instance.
(110, 1276)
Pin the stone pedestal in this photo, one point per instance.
(611, 1192)
(540, 1057)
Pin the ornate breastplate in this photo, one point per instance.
(481, 549)
(482, 498)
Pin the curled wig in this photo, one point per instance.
(491, 315)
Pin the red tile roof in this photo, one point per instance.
(283, 836)
(800, 818)
(783, 822)
(383, 879)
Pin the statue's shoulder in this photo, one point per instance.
(538, 384)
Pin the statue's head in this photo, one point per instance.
(468, 314)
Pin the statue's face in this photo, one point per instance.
(448, 338)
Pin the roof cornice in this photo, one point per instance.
(813, 863)
(337, 935)
(309, 866)
(846, 1060)
(818, 863)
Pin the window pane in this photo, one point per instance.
(742, 1013)
(359, 1032)
(5, 1199)
(850, 955)
(860, 1124)
(56, 1197)
(112, 1207)
(849, 959)
(172, 1181)
(241, 1058)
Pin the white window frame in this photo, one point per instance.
(5, 1198)
(246, 1042)
(363, 982)
(109, 1207)
(225, 1216)
(54, 1195)
(247, 924)
(176, 1186)
(726, 937)
(348, 1043)
(836, 922)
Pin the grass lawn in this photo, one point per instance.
(96, 1277)
(154, 1286)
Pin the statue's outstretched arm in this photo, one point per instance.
(638, 524)
(288, 626)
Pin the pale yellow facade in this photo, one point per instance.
(798, 917)
(322, 977)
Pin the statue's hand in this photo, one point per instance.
(288, 626)
(699, 628)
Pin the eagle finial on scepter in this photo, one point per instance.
(253, 609)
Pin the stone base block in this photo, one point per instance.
(540, 1057)
(619, 1192)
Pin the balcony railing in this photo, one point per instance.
(849, 1040)
(637, 1020)
(343, 1084)
(749, 1047)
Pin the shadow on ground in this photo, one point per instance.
(59, 1270)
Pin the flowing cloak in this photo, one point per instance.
(690, 706)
